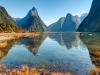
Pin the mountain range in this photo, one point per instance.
(33, 23)
(65, 24)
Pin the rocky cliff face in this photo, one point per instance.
(7, 24)
(57, 26)
(92, 22)
(32, 22)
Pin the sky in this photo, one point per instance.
(49, 10)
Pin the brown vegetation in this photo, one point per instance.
(25, 70)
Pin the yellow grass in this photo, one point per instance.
(25, 70)
(95, 71)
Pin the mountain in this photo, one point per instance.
(83, 16)
(71, 23)
(92, 22)
(32, 22)
(57, 26)
(7, 24)
(68, 24)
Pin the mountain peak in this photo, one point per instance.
(69, 15)
(32, 22)
(34, 11)
(1, 6)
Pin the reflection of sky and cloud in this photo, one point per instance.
(60, 52)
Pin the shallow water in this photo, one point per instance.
(60, 52)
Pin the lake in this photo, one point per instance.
(76, 53)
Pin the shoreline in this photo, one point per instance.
(26, 70)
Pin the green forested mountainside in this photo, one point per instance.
(7, 24)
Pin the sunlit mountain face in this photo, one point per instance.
(7, 24)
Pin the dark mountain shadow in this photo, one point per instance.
(66, 39)
(32, 43)
(92, 22)
(5, 46)
(92, 41)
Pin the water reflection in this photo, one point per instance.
(66, 39)
(92, 41)
(5, 46)
(31, 43)
(58, 52)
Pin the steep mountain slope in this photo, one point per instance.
(71, 23)
(83, 16)
(92, 22)
(7, 24)
(57, 26)
(32, 22)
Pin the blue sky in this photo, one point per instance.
(49, 10)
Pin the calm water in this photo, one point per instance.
(60, 52)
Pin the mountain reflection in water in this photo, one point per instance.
(58, 52)
(92, 41)
(66, 39)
